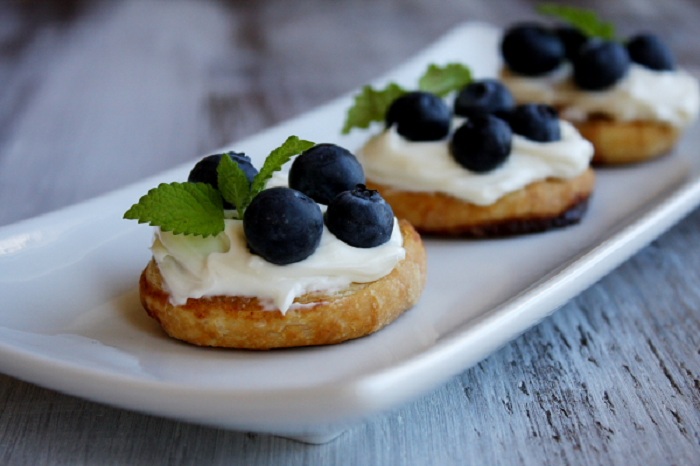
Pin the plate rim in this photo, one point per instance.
(366, 395)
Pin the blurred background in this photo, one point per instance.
(118, 90)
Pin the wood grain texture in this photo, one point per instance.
(94, 95)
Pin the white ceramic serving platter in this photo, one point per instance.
(71, 318)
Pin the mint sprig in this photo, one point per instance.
(234, 185)
(443, 80)
(198, 208)
(182, 208)
(371, 105)
(233, 182)
(274, 162)
(584, 20)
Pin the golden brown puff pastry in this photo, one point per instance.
(537, 207)
(618, 142)
(245, 322)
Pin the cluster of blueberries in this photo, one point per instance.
(533, 49)
(284, 225)
(483, 141)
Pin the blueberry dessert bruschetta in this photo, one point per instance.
(482, 167)
(242, 260)
(628, 97)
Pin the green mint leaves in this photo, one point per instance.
(183, 208)
(274, 162)
(442, 81)
(233, 183)
(584, 20)
(198, 208)
(371, 104)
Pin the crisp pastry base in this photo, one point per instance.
(321, 319)
(540, 206)
(618, 142)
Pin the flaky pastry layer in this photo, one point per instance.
(618, 142)
(537, 207)
(315, 319)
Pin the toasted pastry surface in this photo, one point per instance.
(619, 142)
(539, 206)
(317, 318)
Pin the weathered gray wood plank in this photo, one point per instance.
(94, 95)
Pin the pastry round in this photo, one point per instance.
(618, 142)
(537, 207)
(319, 319)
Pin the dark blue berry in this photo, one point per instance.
(572, 38)
(600, 64)
(483, 97)
(324, 171)
(482, 143)
(205, 170)
(282, 225)
(531, 49)
(648, 50)
(536, 122)
(420, 116)
(360, 218)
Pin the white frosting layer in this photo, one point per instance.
(195, 267)
(393, 161)
(672, 97)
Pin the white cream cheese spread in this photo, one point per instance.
(391, 160)
(671, 97)
(195, 267)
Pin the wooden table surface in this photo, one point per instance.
(97, 94)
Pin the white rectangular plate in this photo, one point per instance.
(72, 321)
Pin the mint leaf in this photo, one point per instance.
(183, 208)
(198, 208)
(278, 157)
(584, 20)
(443, 80)
(233, 183)
(371, 105)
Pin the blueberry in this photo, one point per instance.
(648, 50)
(205, 170)
(483, 97)
(531, 49)
(420, 116)
(572, 38)
(536, 122)
(482, 143)
(282, 225)
(360, 218)
(324, 171)
(600, 64)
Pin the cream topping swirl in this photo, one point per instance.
(195, 267)
(391, 160)
(671, 97)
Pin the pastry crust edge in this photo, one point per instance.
(539, 206)
(318, 319)
(627, 142)
(620, 142)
